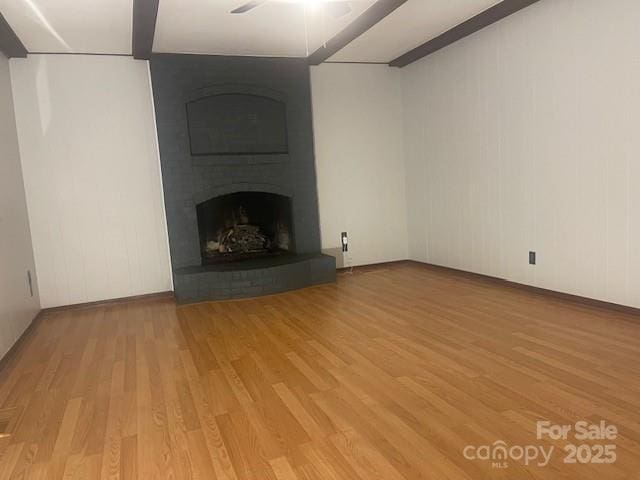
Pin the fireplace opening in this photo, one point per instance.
(244, 225)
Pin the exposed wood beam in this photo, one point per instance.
(484, 19)
(364, 22)
(10, 44)
(145, 13)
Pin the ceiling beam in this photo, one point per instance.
(10, 44)
(145, 13)
(364, 22)
(484, 19)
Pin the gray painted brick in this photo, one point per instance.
(190, 180)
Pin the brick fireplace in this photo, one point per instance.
(236, 148)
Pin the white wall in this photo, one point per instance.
(524, 137)
(92, 177)
(357, 112)
(17, 307)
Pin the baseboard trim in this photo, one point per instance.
(371, 267)
(113, 301)
(586, 301)
(14, 352)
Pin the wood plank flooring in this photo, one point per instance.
(389, 375)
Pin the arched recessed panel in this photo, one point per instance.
(237, 124)
(244, 225)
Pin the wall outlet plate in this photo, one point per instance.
(532, 258)
(30, 281)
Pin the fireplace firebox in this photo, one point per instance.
(244, 225)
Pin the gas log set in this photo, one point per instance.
(239, 239)
(244, 225)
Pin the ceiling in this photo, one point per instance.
(414, 23)
(277, 28)
(273, 29)
(71, 26)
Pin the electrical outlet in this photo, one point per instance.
(346, 255)
(30, 282)
(532, 258)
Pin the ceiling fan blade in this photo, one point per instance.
(248, 6)
(338, 9)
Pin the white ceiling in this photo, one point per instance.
(71, 26)
(277, 28)
(411, 25)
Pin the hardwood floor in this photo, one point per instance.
(387, 375)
